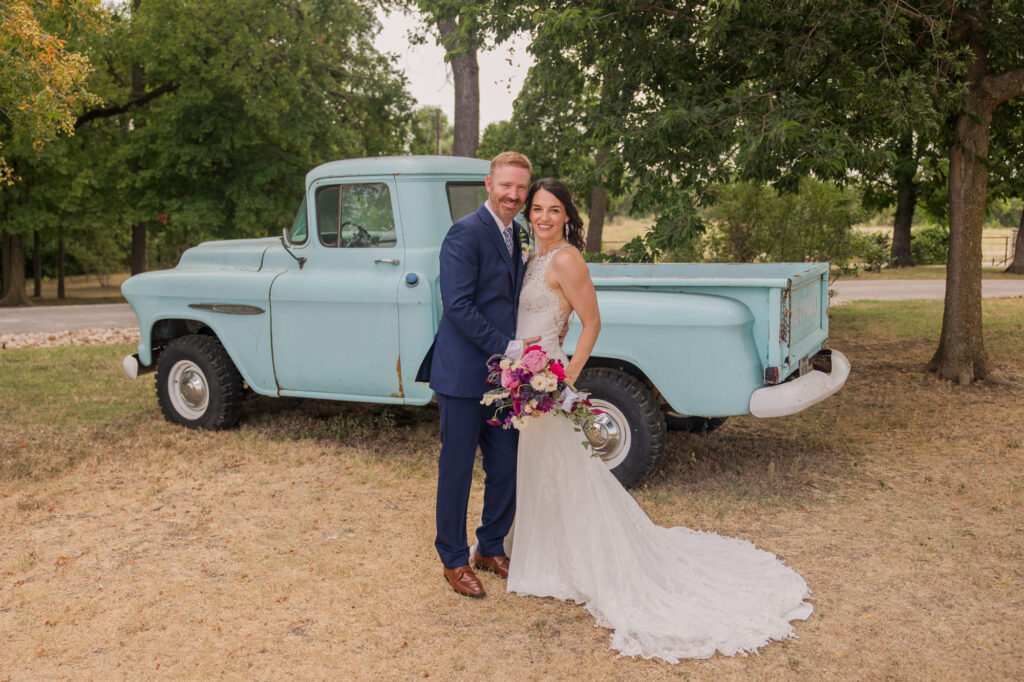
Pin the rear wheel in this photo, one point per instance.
(197, 384)
(629, 432)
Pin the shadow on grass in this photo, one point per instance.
(745, 459)
(754, 460)
(381, 430)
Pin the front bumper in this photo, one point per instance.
(799, 394)
(133, 368)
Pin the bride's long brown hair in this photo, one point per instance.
(573, 231)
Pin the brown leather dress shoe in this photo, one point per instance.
(495, 564)
(464, 581)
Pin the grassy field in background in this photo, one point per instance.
(996, 243)
(300, 543)
(80, 290)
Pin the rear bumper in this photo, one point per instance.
(799, 394)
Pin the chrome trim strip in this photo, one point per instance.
(228, 308)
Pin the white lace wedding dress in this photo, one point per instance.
(670, 593)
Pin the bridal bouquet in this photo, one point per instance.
(530, 387)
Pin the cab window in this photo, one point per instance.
(464, 198)
(355, 216)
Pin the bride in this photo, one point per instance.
(670, 593)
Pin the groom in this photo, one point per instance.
(481, 271)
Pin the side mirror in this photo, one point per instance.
(286, 241)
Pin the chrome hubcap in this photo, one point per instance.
(188, 390)
(609, 435)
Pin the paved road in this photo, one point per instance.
(906, 289)
(116, 315)
(59, 318)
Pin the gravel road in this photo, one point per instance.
(907, 289)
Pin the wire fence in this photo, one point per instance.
(999, 249)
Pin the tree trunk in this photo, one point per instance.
(906, 201)
(1017, 264)
(5, 262)
(15, 295)
(140, 261)
(60, 269)
(466, 73)
(961, 355)
(595, 226)
(598, 207)
(37, 266)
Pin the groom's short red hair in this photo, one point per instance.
(511, 159)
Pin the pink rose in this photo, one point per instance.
(508, 380)
(534, 360)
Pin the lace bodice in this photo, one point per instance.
(540, 308)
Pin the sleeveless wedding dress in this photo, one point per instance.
(669, 593)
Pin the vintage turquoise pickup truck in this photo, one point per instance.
(344, 305)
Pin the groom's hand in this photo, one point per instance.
(516, 347)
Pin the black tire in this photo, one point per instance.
(678, 422)
(197, 384)
(624, 398)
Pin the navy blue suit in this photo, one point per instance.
(479, 293)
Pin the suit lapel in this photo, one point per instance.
(494, 233)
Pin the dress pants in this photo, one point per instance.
(464, 427)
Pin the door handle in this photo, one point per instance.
(389, 261)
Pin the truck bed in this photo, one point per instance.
(788, 301)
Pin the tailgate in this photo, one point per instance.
(804, 317)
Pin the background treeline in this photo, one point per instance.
(196, 120)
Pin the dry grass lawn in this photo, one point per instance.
(300, 544)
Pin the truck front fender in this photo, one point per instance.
(232, 305)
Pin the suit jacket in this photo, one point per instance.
(480, 295)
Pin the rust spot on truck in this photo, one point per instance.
(784, 317)
(398, 371)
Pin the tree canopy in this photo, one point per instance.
(43, 83)
(693, 92)
(206, 120)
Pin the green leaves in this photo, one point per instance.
(264, 91)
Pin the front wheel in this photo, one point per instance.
(197, 384)
(629, 431)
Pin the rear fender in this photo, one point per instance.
(696, 350)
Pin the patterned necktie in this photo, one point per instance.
(506, 232)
